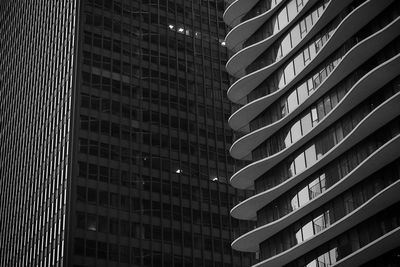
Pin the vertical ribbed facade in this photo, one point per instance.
(316, 87)
(37, 40)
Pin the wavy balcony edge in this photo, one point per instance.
(244, 57)
(233, 88)
(357, 175)
(264, 72)
(242, 87)
(250, 26)
(236, 123)
(250, 110)
(250, 205)
(385, 155)
(246, 176)
(250, 241)
(236, 10)
(382, 73)
(384, 199)
(247, 209)
(376, 248)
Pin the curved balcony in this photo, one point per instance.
(261, 7)
(319, 134)
(238, 62)
(237, 36)
(374, 249)
(383, 156)
(250, 241)
(353, 58)
(384, 199)
(247, 209)
(369, 83)
(245, 177)
(246, 84)
(237, 10)
(248, 53)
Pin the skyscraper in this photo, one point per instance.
(316, 87)
(114, 135)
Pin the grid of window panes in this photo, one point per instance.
(36, 66)
(152, 164)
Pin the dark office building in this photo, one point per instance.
(114, 136)
(318, 89)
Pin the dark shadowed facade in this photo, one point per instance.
(114, 135)
(317, 89)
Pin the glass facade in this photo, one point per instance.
(353, 240)
(114, 135)
(291, 39)
(305, 192)
(306, 121)
(313, 152)
(260, 8)
(328, 214)
(278, 22)
(323, 150)
(151, 163)
(291, 100)
(323, 143)
(296, 64)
